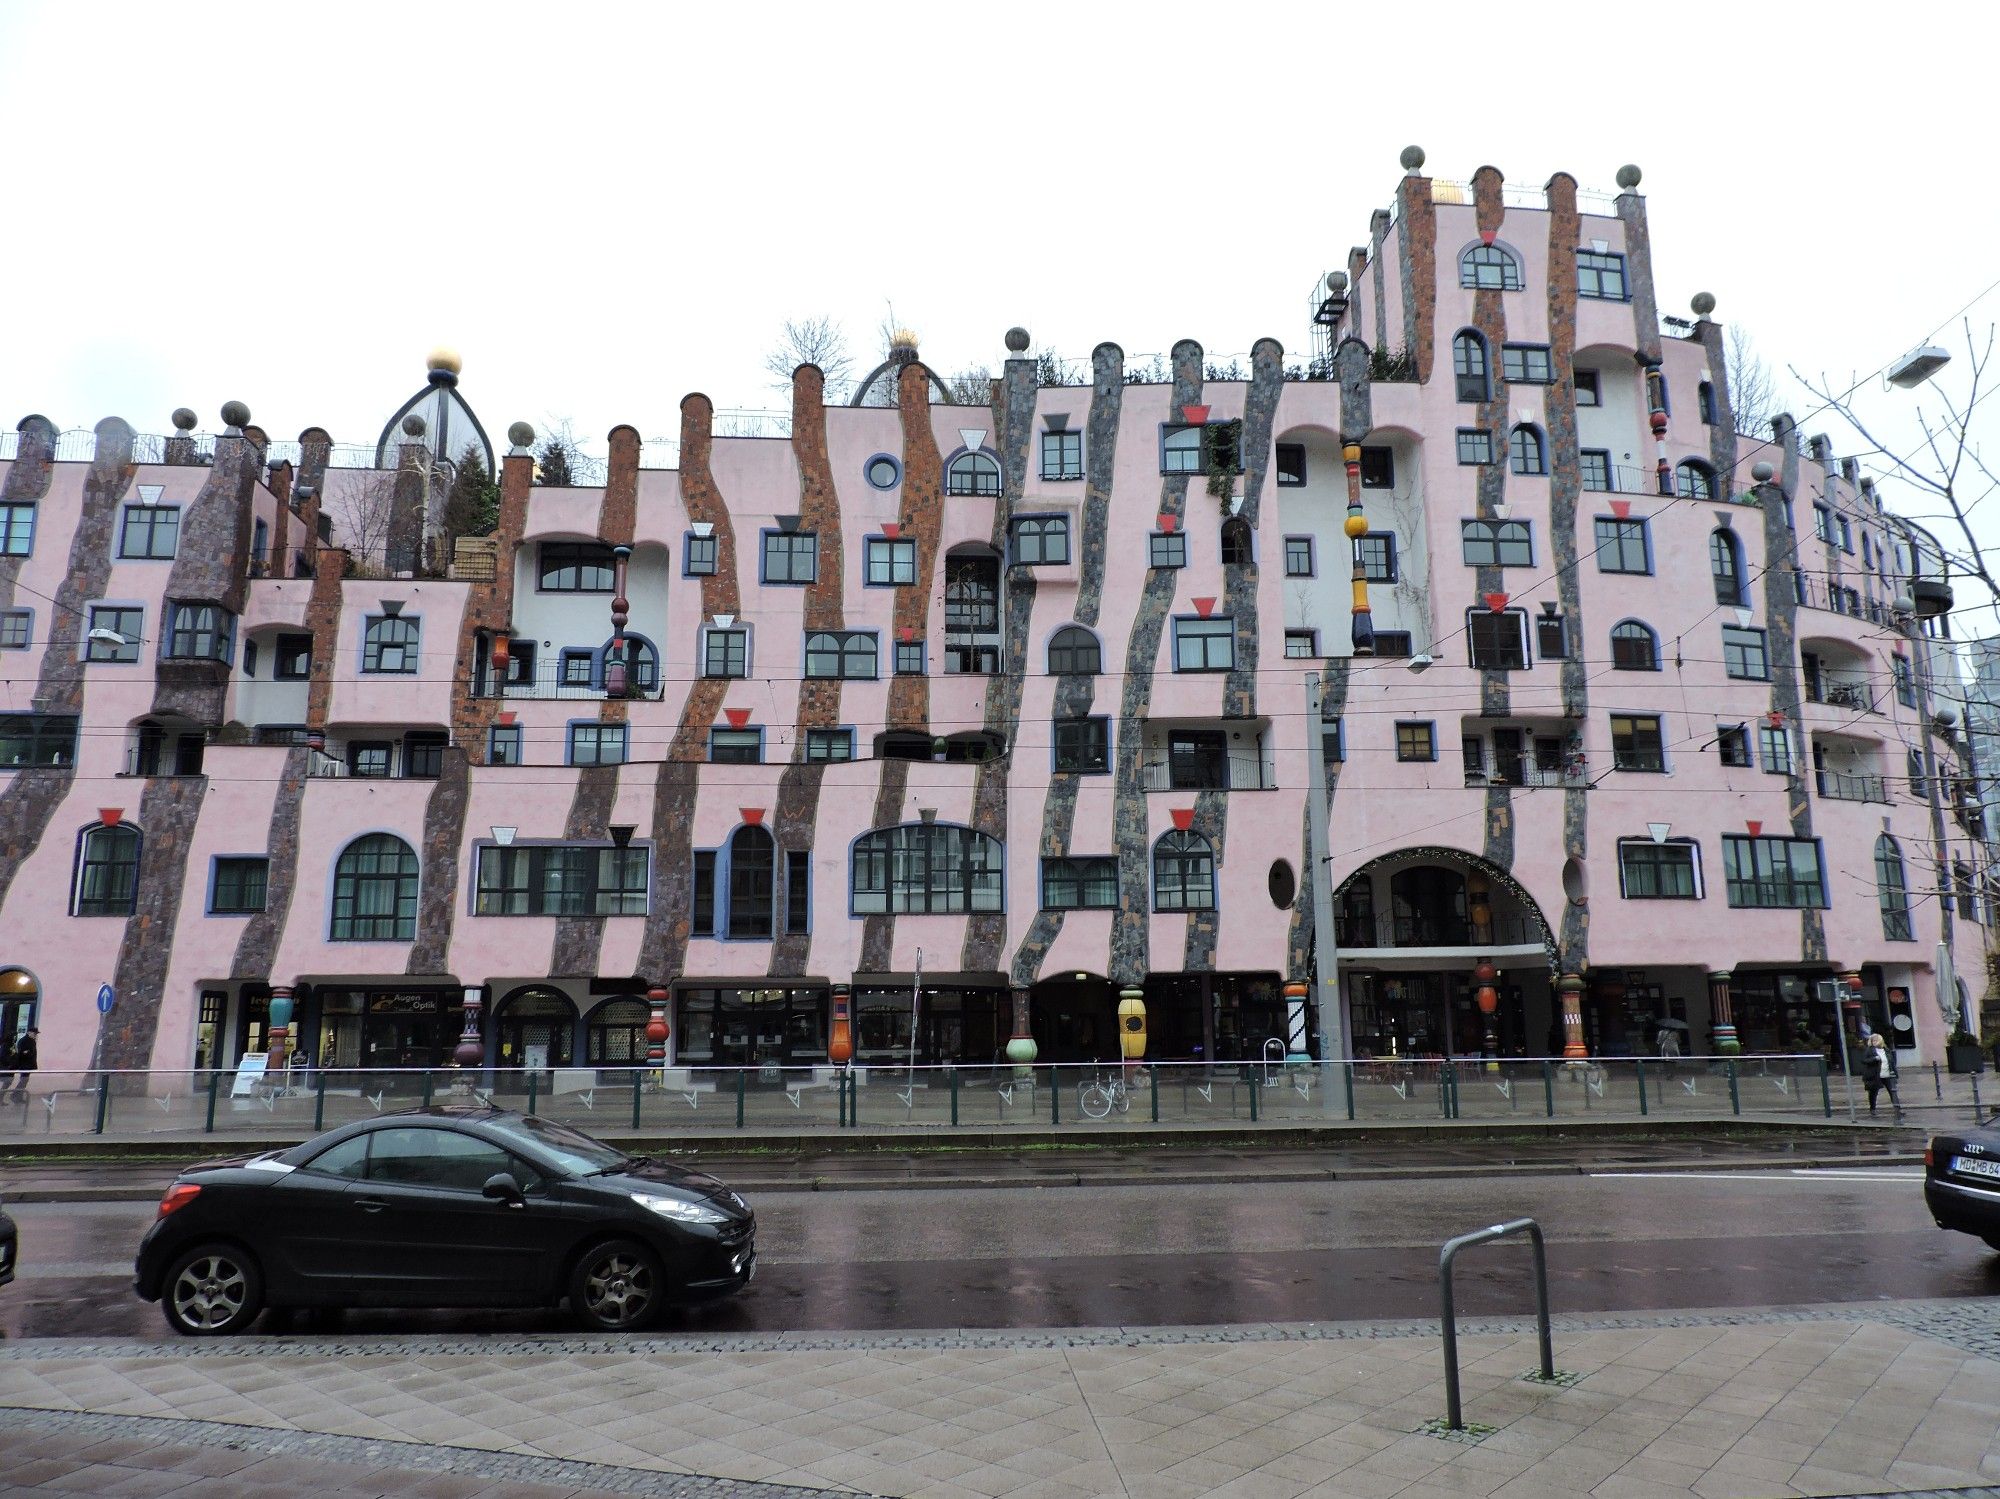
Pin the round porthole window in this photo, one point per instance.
(883, 471)
(1284, 885)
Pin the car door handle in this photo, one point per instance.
(371, 1204)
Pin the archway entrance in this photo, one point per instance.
(20, 997)
(1075, 1019)
(535, 1030)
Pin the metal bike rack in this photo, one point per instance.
(1455, 1417)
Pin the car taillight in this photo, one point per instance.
(1927, 1157)
(178, 1196)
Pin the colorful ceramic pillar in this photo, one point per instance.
(656, 1029)
(1487, 997)
(1656, 399)
(840, 1042)
(616, 676)
(1721, 1020)
(1132, 1026)
(471, 1048)
(1295, 1023)
(1356, 527)
(1569, 992)
(278, 1032)
(1021, 1045)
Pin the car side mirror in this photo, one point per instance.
(501, 1187)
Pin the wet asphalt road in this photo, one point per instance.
(1186, 1254)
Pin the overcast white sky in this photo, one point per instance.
(605, 207)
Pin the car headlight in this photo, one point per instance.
(679, 1210)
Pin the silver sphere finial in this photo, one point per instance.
(184, 419)
(413, 425)
(235, 414)
(1413, 158)
(1703, 303)
(1017, 340)
(521, 435)
(1628, 176)
(1761, 471)
(1336, 282)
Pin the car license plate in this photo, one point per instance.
(1970, 1166)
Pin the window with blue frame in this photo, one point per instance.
(791, 556)
(827, 745)
(698, 555)
(503, 744)
(597, 744)
(17, 528)
(1040, 541)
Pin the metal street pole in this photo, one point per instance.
(1831, 990)
(1326, 955)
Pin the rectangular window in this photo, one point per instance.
(16, 627)
(1744, 654)
(389, 644)
(114, 633)
(17, 528)
(791, 556)
(1732, 744)
(1378, 468)
(891, 563)
(292, 660)
(850, 655)
(1040, 540)
(371, 759)
(1594, 464)
(561, 880)
(1475, 445)
(1657, 871)
(1823, 524)
(1768, 873)
(1497, 543)
(1298, 556)
(1774, 751)
(1169, 548)
(736, 746)
(1622, 546)
(1062, 455)
(239, 886)
(597, 744)
(1588, 392)
(1301, 645)
(701, 907)
(200, 632)
(1080, 884)
(1376, 553)
(1083, 745)
(1392, 643)
(1527, 364)
(1180, 449)
(1416, 741)
(1637, 743)
(31, 739)
(825, 745)
(1497, 642)
(1204, 644)
(1601, 275)
(503, 744)
(1906, 687)
(423, 756)
(1846, 533)
(725, 653)
(1913, 767)
(698, 556)
(577, 668)
(150, 531)
(1705, 400)
(576, 567)
(1551, 637)
(1332, 740)
(1291, 465)
(910, 658)
(798, 891)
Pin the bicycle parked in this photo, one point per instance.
(1097, 1097)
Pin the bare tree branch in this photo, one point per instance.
(817, 341)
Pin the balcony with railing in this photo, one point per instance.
(574, 679)
(1822, 593)
(1443, 929)
(1227, 756)
(1851, 786)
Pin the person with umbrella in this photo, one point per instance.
(1669, 1038)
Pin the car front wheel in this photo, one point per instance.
(213, 1290)
(617, 1287)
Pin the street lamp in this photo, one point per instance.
(1917, 366)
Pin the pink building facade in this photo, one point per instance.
(1006, 706)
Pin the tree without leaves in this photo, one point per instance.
(973, 387)
(358, 505)
(818, 341)
(1753, 391)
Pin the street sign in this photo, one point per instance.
(106, 998)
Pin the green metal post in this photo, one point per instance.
(1055, 1095)
(1153, 1076)
(213, 1079)
(853, 1100)
(840, 1099)
(636, 1078)
(742, 1085)
(1642, 1088)
(1825, 1088)
(103, 1102)
(531, 1093)
(428, 1080)
(1347, 1078)
(953, 1075)
(1735, 1097)
(319, 1101)
(1549, 1087)
(1256, 1087)
(1454, 1091)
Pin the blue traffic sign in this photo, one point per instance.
(106, 998)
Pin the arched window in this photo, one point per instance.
(389, 644)
(1694, 480)
(1893, 891)
(1468, 364)
(1526, 453)
(1725, 561)
(1489, 268)
(753, 878)
(642, 664)
(1183, 873)
(1429, 906)
(920, 867)
(375, 891)
(1075, 649)
(107, 871)
(615, 1034)
(1235, 542)
(1634, 647)
(531, 1021)
(973, 474)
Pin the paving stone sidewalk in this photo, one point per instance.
(1892, 1397)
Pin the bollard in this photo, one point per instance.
(1255, 1089)
(742, 1086)
(636, 1078)
(428, 1081)
(1055, 1098)
(531, 1094)
(952, 1075)
(840, 1099)
(1976, 1106)
(1937, 1081)
(1549, 1086)
(213, 1079)
(1641, 1065)
(1347, 1078)
(1825, 1089)
(1735, 1097)
(1454, 1413)
(1153, 1076)
(103, 1102)
(319, 1101)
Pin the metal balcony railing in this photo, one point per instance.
(558, 681)
(1835, 694)
(1444, 930)
(1529, 775)
(1234, 775)
(1845, 786)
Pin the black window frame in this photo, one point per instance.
(727, 647)
(1043, 535)
(561, 879)
(974, 474)
(400, 633)
(584, 563)
(1416, 741)
(18, 519)
(1527, 364)
(1080, 882)
(1892, 891)
(1552, 629)
(1378, 467)
(1081, 746)
(1067, 447)
(1614, 535)
(700, 555)
(1783, 888)
(1290, 466)
(1694, 480)
(1589, 387)
(128, 621)
(423, 754)
(1644, 863)
(1642, 746)
(1597, 270)
(1208, 631)
(291, 658)
(190, 623)
(915, 868)
(1475, 447)
(1625, 637)
(1471, 367)
(153, 521)
(910, 659)
(17, 629)
(1751, 655)
(889, 561)
(1376, 552)
(1527, 451)
(788, 559)
(1732, 745)
(503, 744)
(1299, 558)
(346, 923)
(843, 651)
(1484, 267)
(1167, 549)
(599, 737)
(1510, 543)
(735, 746)
(106, 881)
(1306, 639)
(1183, 872)
(1075, 651)
(1497, 640)
(820, 745)
(241, 886)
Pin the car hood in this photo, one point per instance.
(666, 1179)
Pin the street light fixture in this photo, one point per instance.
(1917, 366)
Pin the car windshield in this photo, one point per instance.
(572, 1150)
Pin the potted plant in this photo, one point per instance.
(1962, 1053)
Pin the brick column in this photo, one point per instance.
(1721, 1019)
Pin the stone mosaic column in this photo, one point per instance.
(1569, 992)
(1721, 1019)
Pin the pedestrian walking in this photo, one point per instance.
(26, 1054)
(6, 1064)
(1669, 1043)
(1878, 1071)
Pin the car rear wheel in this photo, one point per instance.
(213, 1290)
(617, 1287)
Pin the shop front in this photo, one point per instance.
(960, 1018)
(749, 1026)
(379, 1026)
(1435, 1013)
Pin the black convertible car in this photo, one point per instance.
(9, 1247)
(1962, 1181)
(443, 1207)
